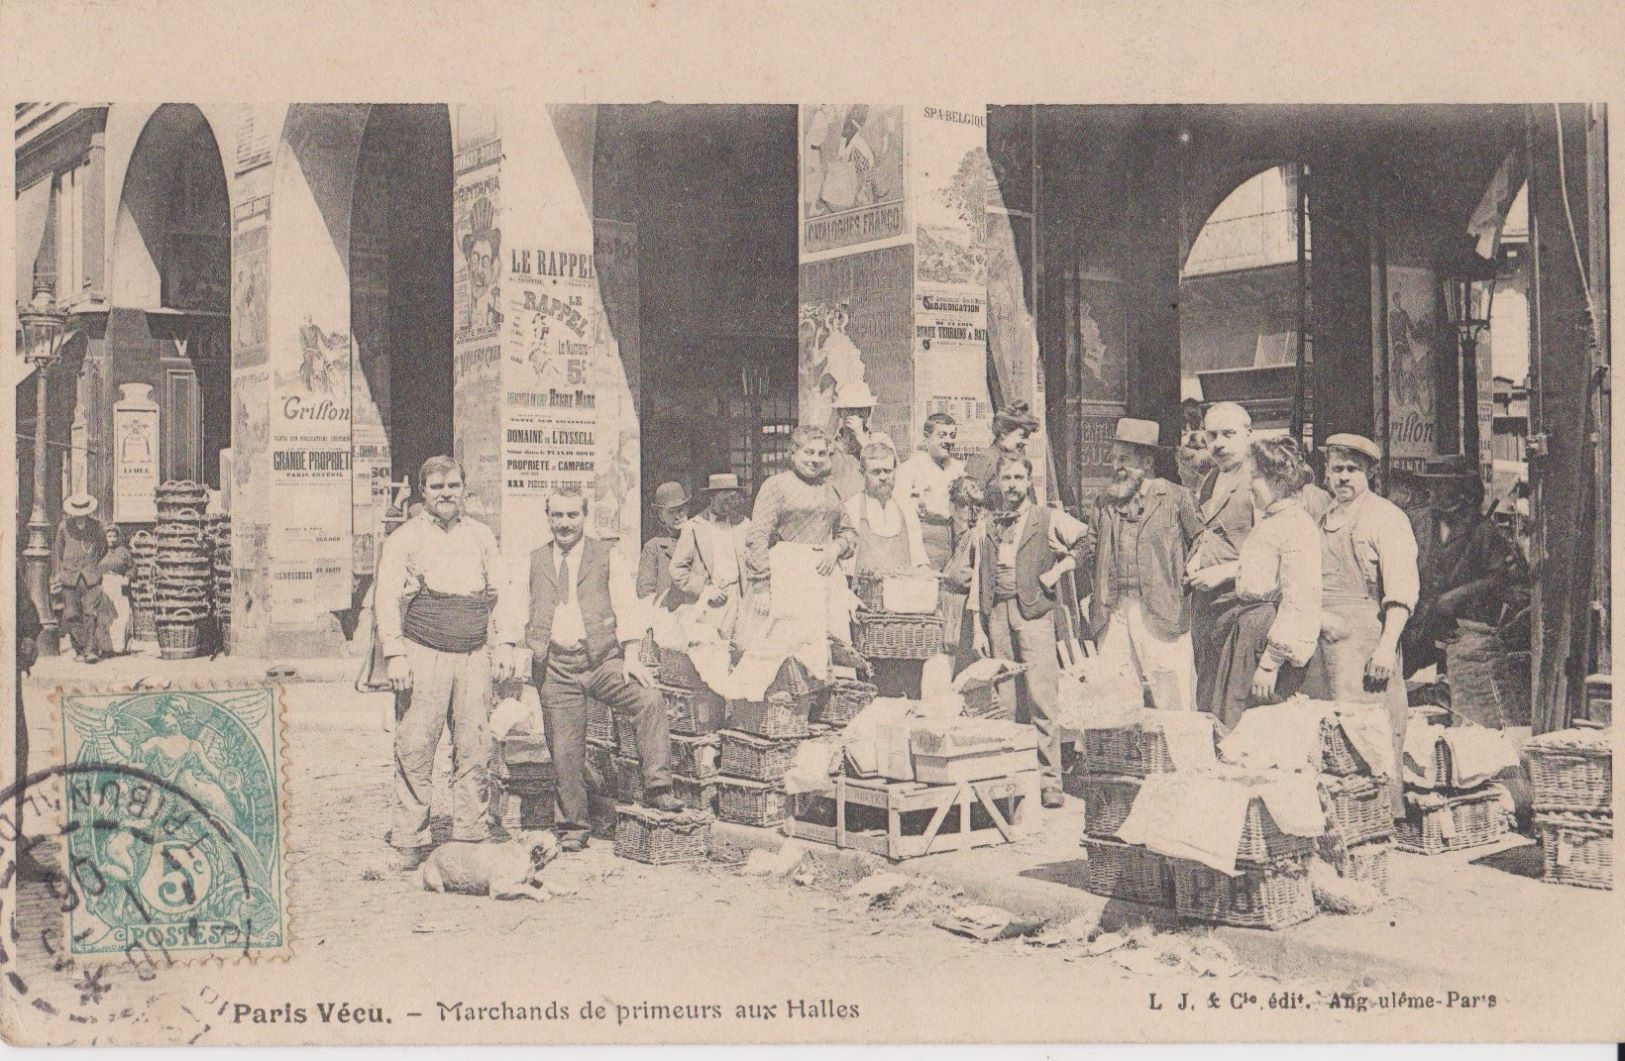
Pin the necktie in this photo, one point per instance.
(564, 578)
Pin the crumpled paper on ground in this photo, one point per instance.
(987, 923)
(1201, 816)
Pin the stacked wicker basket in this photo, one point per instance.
(182, 569)
(143, 552)
(1449, 815)
(220, 558)
(1359, 818)
(898, 616)
(1571, 773)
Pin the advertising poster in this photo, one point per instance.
(135, 455)
(311, 472)
(1102, 341)
(476, 315)
(852, 166)
(1412, 335)
(950, 361)
(855, 335)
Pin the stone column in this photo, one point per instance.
(543, 382)
(894, 275)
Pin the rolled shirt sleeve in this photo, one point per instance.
(390, 589)
(1070, 536)
(631, 613)
(1395, 544)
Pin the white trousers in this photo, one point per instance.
(1167, 665)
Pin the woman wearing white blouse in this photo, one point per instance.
(1274, 627)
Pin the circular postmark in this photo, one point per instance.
(116, 871)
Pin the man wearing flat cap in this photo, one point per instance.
(654, 563)
(1369, 572)
(76, 555)
(1145, 527)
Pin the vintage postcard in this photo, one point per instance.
(1020, 555)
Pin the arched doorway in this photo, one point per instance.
(400, 304)
(169, 324)
(1244, 307)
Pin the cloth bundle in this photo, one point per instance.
(1200, 816)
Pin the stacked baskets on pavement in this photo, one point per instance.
(143, 550)
(1571, 772)
(898, 617)
(1359, 817)
(182, 569)
(760, 742)
(1442, 813)
(220, 556)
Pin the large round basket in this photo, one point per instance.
(178, 641)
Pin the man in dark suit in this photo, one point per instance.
(81, 542)
(583, 622)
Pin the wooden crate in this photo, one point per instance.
(972, 765)
(920, 819)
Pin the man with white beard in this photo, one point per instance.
(1144, 528)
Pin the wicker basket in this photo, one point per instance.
(1337, 755)
(756, 758)
(1434, 823)
(1107, 799)
(1359, 809)
(696, 757)
(777, 717)
(693, 712)
(750, 802)
(870, 589)
(894, 635)
(628, 779)
(179, 641)
(1367, 862)
(1132, 751)
(1125, 871)
(1577, 849)
(1571, 770)
(659, 838)
(979, 702)
(600, 722)
(1269, 895)
(1263, 842)
(143, 627)
(677, 669)
(847, 697)
(697, 792)
(626, 739)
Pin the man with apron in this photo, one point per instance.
(889, 539)
(1368, 561)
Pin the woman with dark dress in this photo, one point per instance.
(1013, 426)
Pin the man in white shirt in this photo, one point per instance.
(438, 579)
(923, 482)
(583, 622)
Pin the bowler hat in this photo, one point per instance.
(670, 495)
(1137, 432)
(724, 481)
(79, 505)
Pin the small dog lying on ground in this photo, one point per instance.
(510, 870)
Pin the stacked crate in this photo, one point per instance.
(1270, 889)
(694, 713)
(758, 748)
(183, 569)
(1446, 815)
(1571, 773)
(219, 536)
(524, 785)
(143, 550)
(1359, 821)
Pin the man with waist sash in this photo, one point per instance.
(583, 621)
(438, 579)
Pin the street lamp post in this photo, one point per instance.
(42, 329)
(1469, 289)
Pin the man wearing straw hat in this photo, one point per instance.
(1139, 612)
(81, 542)
(854, 406)
(709, 561)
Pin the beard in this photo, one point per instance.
(1125, 486)
(728, 508)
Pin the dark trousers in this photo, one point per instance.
(568, 681)
(79, 615)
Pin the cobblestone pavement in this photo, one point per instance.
(629, 933)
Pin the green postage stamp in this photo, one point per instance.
(174, 830)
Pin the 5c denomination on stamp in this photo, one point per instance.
(174, 822)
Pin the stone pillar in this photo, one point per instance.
(543, 384)
(894, 276)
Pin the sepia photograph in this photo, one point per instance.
(806, 572)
